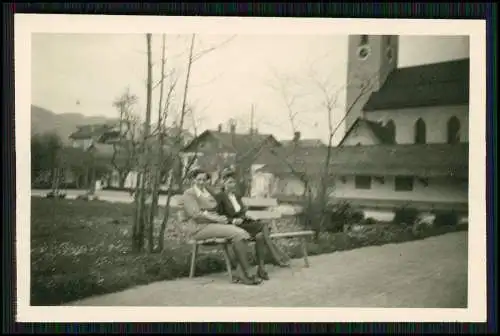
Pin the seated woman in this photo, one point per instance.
(199, 206)
(231, 206)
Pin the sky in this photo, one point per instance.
(85, 73)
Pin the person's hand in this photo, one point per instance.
(237, 221)
(222, 219)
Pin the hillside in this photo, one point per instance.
(43, 120)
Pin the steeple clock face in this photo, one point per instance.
(364, 52)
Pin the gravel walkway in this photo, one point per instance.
(430, 273)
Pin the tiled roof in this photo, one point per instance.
(381, 132)
(439, 84)
(304, 142)
(90, 131)
(233, 142)
(421, 160)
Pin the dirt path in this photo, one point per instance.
(430, 273)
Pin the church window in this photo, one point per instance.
(453, 130)
(420, 132)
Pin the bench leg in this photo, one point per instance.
(303, 243)
(228, 262)
(193, 259)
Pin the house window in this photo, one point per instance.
(453, 130)
(363, 182)
(403, 183)
(391, 131)
(363, 40)
(420, 132)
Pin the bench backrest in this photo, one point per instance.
(262, 208)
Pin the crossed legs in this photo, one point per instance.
(238, 238)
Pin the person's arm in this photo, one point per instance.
(244, 208)
(192, 210)
(225, 208)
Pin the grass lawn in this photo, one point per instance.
(80, 249)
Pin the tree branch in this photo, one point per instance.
(205, 52)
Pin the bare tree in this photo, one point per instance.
(140, 194)
(126, 144)
(175, 153)
(168, 145)
(330, 104)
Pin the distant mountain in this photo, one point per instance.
(43, 121)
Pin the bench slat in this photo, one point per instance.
(260, 202)
(291, 234)
(264, 214)
(273, 235)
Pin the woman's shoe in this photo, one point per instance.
(262, 274)
(284, 264)
(250, 281)
(281, 263)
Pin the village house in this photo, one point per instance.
(215, 149)
(406, 141)
(174, 139)
(86, 150)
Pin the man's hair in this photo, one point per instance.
(227, 174)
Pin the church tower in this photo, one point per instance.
(370, 60)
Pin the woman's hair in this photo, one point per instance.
(197, 171)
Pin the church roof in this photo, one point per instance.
(425, 160)
(438, 84)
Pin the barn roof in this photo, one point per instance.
(234, 142)
(425, 160)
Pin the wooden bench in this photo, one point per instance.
(258, 208)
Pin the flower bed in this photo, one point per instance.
(81, 249)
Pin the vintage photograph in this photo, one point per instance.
(249, 170)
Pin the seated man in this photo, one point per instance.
(199, 206)
(231, 206)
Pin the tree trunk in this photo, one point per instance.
(139, 218)
(122, 177)
(176, 160)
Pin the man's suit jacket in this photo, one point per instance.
(225, 206)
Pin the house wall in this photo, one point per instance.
(262, 184)
(361, 135)
(435, 119)
(288, 185)
(438, 190)
(81, 143)
(131, 180)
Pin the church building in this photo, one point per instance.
(411, 126)
(406, 134)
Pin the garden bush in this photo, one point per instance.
(405, 215)
(335, 216)
(80, 249)
(369, 221)
(445, 218)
